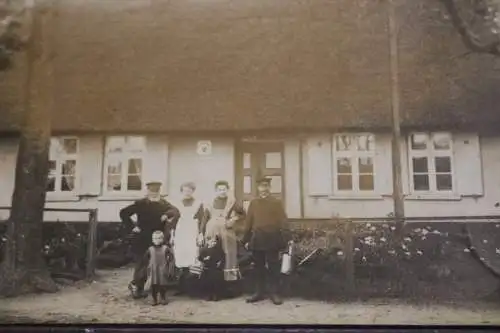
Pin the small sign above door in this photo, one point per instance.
(204, 147)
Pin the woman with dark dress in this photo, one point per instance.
(187, 235)
(222, 215)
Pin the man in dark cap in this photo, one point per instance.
(265, 235)
(152, 213)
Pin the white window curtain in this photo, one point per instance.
(431, 162)
(354, 163)
(124, 163)
(63, 164)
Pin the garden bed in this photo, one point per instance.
(432, 261)
(65, 247)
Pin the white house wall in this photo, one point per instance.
(325, 206)
(8, 156)
(185, 164)
(90, 160)
(176, 161)
(292, 176)
(480, 206)
(172, 161)
(322, 203)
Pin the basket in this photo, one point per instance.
(197, 268)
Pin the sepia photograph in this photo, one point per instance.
(288, 162)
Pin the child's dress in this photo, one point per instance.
(213, 270)
(161, 268)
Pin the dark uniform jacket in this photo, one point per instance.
(266, 225)
(149, 215)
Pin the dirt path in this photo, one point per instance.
(107, 301)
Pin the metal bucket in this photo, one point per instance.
(286, 264)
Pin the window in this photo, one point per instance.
(431, 160)
(354, 163)
(63, 159)
(124, 163)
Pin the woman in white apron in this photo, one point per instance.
(187, 235)
(222, 214)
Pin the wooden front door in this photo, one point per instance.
(255, 160)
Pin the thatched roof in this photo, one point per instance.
(186, 65)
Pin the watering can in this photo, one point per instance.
(287, 260)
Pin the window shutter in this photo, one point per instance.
(319, 165)
(467, 164)
(156, 160)
(405, 170)
(90, 161)
(8, 160)
(383, 164)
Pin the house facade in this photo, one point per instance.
(316, 175)
(201, 92)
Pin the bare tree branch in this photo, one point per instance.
(470, 39)
(11, 15)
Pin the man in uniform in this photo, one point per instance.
(152, 213)
(265, 235)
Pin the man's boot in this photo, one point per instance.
(274, 294)
(258, 296)
(259, 293)
(163, 297)
(137, 291)
(155, 299)
(141, 293)
(276, 299)
(132, 288)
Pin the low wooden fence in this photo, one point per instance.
(91, 237)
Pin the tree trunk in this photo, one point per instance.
(397, 181)
(24, 269)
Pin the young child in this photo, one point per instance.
(212, 257)
(161, 268)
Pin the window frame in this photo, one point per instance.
(59, 159)
(431, 153)
(353, 156)
(124, 158)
